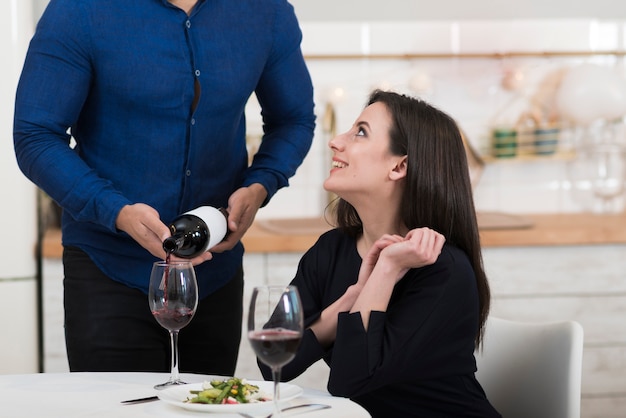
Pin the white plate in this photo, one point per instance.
(176, 395)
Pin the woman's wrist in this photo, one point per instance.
(387, 268)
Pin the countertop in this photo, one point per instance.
(496, 230)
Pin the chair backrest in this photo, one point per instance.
(532, 370)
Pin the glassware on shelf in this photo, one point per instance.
(609, 164)
(598, 173)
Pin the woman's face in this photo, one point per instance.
(362, 162)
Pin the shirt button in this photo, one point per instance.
(188, 24)
(188, 173)
(193, 121)
(197, 73)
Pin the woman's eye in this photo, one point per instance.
(360, 132)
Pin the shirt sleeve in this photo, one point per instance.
(53, 86)
(427, 332)
(285, 93)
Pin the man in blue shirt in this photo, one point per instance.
(153, 94)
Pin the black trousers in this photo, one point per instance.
(109, 327)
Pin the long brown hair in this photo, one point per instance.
(438, 176)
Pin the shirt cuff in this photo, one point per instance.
(353, 337)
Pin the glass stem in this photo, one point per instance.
(276, 377)
(174, 343)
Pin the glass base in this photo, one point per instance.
(169, 383)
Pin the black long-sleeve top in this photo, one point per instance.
(414, 360)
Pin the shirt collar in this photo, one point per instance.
(167, 3)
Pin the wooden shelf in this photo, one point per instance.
(539, 230)
(557, 156)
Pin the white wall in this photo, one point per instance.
(18, 284)
(38, 7)
(330, 10)
(469, 88)
(348, 10)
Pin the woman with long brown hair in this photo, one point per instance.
(396, 297)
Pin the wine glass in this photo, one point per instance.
(173, 298)
(610, 173)
(275, 328)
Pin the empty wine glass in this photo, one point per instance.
(173, 298)
(610, 174)
(275, 327)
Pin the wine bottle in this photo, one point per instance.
(196, 231)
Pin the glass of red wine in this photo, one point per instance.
(173, 298)
(275, 327)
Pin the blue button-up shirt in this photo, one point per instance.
(120, 77)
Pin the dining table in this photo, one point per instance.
(100, 394)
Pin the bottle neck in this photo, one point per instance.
(173, 243)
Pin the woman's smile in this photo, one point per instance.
(338, 164)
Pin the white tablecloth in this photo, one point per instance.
(92, 395)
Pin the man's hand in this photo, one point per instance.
(144, 225)
(243, 205)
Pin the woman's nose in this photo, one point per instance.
(337, 142)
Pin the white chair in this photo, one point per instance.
(532, 370)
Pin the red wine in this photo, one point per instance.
(166, 274)
(173, 320)
(196, 231)
(275, 347)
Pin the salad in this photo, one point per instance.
(229, 391)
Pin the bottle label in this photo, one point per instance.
(215, 221)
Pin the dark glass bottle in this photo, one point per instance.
(196, 231)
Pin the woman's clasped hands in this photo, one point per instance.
(420, 247)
